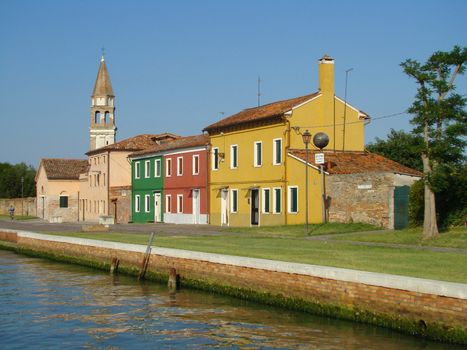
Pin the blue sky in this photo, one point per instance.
(176, 65)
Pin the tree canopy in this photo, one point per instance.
(10, 180)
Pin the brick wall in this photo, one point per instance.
(23, 206)
(361, 198)
(392, 302)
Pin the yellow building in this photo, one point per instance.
(255, 179)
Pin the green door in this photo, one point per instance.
(401, 207)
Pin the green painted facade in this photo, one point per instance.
(146, 182)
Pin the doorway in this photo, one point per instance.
(157, 207)
(254, 206)
(196, 208)
(224, 207)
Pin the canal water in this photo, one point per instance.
(46, 305)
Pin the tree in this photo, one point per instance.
(400, 147)
(440, 118)
(10, 180)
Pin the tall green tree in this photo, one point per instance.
(17, 180)
(439, 116)
(401, 147)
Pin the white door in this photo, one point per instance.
(224, 207)
(157, 207)
(196, 210)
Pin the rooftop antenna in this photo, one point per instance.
(345, 107)
(259, 91)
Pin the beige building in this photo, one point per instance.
(105, 189)
(57, 185)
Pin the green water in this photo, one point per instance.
(46, 305)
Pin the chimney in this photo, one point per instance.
(326, 75)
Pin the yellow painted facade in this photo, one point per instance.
(322, 113)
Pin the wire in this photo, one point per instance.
(356, 122)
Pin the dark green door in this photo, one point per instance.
(401, 207)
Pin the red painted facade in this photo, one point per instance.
(186, 177)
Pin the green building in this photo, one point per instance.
(147, 179)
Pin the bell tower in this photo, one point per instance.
(102, 130)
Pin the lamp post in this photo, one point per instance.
(306, 136)
(321, 140)
(22, 195)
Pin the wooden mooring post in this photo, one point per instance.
(114, 265)
(174, 280)
(147, 255)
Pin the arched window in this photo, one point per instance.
(97, 117)
(106, 117)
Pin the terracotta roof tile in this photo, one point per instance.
(182, 142)
(136, 143)
(275, 109)
(355, 162)
(64, 169)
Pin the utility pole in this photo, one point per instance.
(345, 107)
(259, 91)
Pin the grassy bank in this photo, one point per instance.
(17, 217)
(447, 266)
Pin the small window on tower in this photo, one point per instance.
(106, 117)
(97, 117)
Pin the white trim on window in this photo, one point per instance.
(168, 167)
(147, 169)
(215, 158)
(147, 203)
(179, 166)
(168, 203)
(137, 203)
(290, 197)
(276, 199)
(233, 156)
(276, 155)
(258, 153)
(266, 196)
(179, 203)
(137, 170)
(234, 201)
(157, 168)
(195, 164)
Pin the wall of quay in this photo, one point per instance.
(422, 307)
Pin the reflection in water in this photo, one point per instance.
(49, 305)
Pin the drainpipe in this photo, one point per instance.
(287, 147)
(208, 178)
(78, 206)
(108, 183)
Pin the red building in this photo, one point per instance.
(184, 167)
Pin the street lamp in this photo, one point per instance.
(321, 140)
(306, 136)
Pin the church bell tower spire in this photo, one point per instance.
(102, 129)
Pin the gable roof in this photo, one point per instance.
(103, 86)
(271, 110)
(355, 162)
(136, 143)
(63, 169)
(179, 143)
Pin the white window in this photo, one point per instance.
(179, 203)
(277, 151)
(195, 164)
(277, 201)
(147, 168)
(137, 174)
(233, 201)
(168, 167)
(233, 156)
(157, 168)
(147, 203)
(266, 200)
(179, 166)
(258, 156)
(215, 158)
(293, 199)
(168, 203)
(137, 199)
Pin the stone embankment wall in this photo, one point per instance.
(23, 206)
(435, 309)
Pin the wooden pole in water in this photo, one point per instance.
(172, 284)
(147, 255)
(114, 265)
